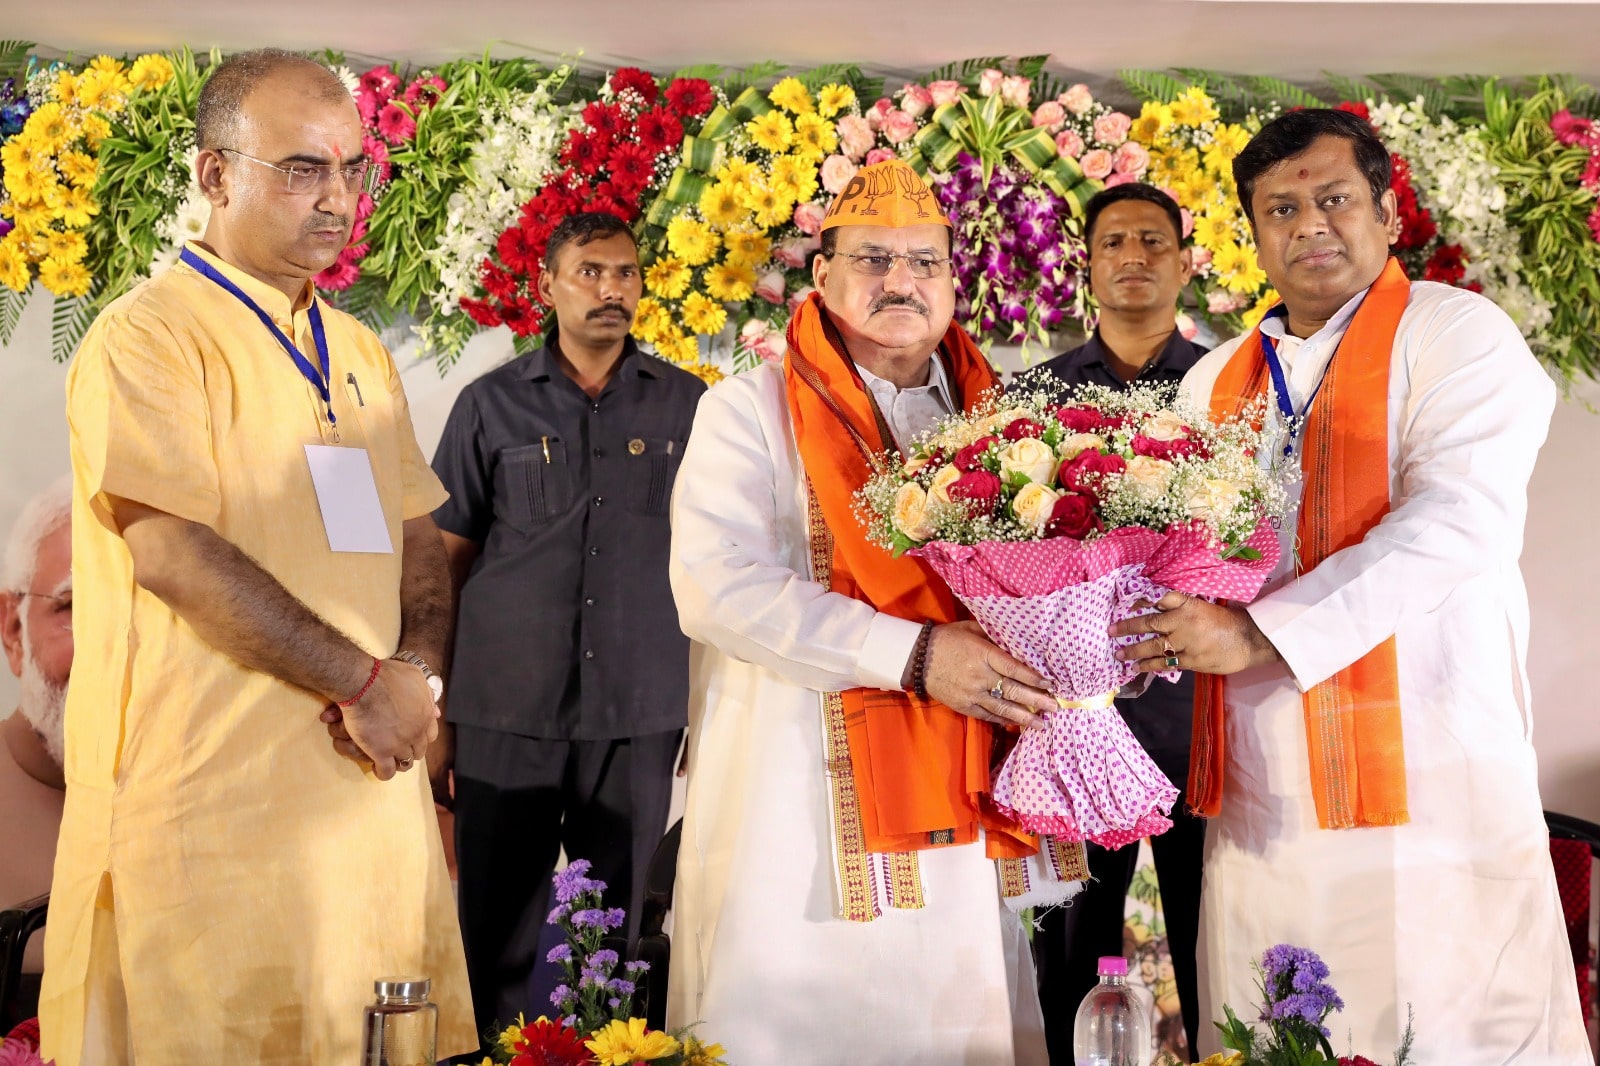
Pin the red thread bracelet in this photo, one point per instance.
(353, 700)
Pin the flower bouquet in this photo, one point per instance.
(593, 1003)
(1050, 523)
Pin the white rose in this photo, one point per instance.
(959, 436)
(1032, 506)
(942, 481)
(1080, 442)
(913, 464)
(1150, 478)
(1029, 457)
(1164, 426)
(911, 512)
(1213, 500)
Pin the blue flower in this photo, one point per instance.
(604, 958)
(614, 918)
(621, 987)
(574, 882)
(559, 997)
(558, 914)
(613, 1002)
(589, 918)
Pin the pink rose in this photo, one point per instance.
(799, 297)
(1068, 144)
(945, 92)
(1221, 302)
(1112, 128)
(1187, 328)
(915, 100)
(856, 137)
(1119, 178)
(1016, 90)
(794, 253)
(1077, 99)
(875, 114)
(989, 82)
(808, 217)
(1096, 164)
(771, 285)
(1050, 115)
(878, 155)
(752, 333)
(1187, 218)
(1130, 158)
(837, 170)
(898, 127)
(1200, 257)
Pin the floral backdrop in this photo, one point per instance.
(725, 175)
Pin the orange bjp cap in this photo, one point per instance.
(889, 193)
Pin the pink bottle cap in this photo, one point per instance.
(1113, 966)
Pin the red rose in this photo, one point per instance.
(480, 311)
(659, 129)
(971, 457)
(1086, 471)
(979, 488)
(1072, 516)
(1022, 427)
(1180, 448)
(640, 81)
(1081, 419)
(692, 97)
(1355, 1060)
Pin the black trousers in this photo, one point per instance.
(519, 802)
(1070, 940)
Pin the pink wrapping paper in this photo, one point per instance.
(1049, 604)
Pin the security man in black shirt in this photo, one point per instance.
(568, 692)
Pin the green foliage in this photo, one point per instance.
(1152, 85)
(738, 79)
(1435, 101)
(14, 58)
(967, 70)
(11, 305)
(1352, 89)
(69, 320)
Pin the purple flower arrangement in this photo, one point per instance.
(591, 995)
(1018, 255)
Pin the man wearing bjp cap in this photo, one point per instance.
(839, 887)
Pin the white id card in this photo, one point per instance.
(348, 497)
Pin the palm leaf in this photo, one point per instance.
(1355, 90)
(1409, 87)
(69, 321)
(966, 70)
(11, 304)
(14, 58)
(1152, 85)
(1283, 92)
(704, 71)
(740, 80)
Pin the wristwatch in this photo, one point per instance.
(435, 682)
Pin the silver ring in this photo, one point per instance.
(405, 764)
(996, 691)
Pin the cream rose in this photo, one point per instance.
(1149, 478)
(1213, 500)
(1164, 426)
(1001, 419)
(910, 467)
(941, 482)
(911, 512)
(1030, 457)
(1033, 504)
(1080, 442)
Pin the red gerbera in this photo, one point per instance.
(631, 167)
(613, 207)
(396, 123)
(1356, 107)
(425, 92)
(604, 118)
(691, 97)
(659, 129)
(547, 208)
(517, 250)
(480, 311)
(641, 82)
(1448, 264)
(522, 315)
(544, 1043)
(586, 151)
(498, 283)
(1416, 222)
(373, 90)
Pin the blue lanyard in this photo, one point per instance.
(318, 380)
(1280, 387)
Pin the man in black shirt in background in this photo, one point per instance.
(569, 691)
(1137, 266)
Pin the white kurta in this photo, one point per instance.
(758, 955)
(1455, 913)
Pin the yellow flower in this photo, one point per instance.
(65, 246)
(746, 246)
(1222, 1058)
(1154, 120)
(796, 173)
(650, 320)
(80, 169)
(65, 88)
(678, 349)
(1248, 276)
(105, 65)
(772, 131)
(833, 99)
(1230, 141)
(95, 130)
(102, 89)
(14, 265)
(710, 375)
(1226, 258)
(691, 240)
(791, 95)
(24, 152)
(703, 314)
(694, 1052)
(814, 136)
(1193, 107)
(668, 278)
(731, 282)
(64, 279)
(771, 206)
(738, 172)
(32, 217)
(151, 71)
(1253, 317)
(29, 185)
(51, 126)
(720, 205)
(76, 207)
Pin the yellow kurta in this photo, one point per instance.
(258, 881)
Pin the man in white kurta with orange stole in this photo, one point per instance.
(1362, 732)
(838, 896)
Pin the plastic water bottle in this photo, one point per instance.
(1112, 1028)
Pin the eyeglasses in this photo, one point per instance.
(60, 606)
(307, 177)
(878, 264)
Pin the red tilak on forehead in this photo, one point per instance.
(1304, 173)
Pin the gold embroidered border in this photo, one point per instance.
(1013, 877)
(905, 881)
(1070, 860)
(849, 843)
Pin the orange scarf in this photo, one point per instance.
(1358, 772)
(920, 769)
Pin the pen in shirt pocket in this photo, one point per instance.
(350, 379)
(546, 442)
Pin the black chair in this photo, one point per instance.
(1566, 827)
(19, 995)
(653, 946)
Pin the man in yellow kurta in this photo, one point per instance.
(251, 542)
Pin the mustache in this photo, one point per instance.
(604, 309)
(323, 221)
(894, 299)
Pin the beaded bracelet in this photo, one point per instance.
(919, 661)
(353, 700)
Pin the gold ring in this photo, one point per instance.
(996, 690)
(1172, 660)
